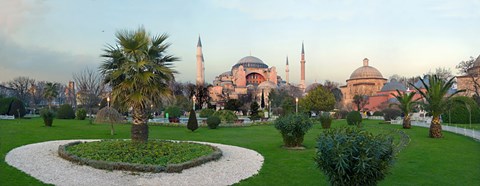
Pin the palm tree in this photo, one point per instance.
(406, 105)
(139, 72)
(436, 100)
(50, 92)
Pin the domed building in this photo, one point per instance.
(365, 80)
(248, 74)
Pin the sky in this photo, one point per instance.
(53, 39)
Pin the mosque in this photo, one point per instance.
(249, 75)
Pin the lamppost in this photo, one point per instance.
(108, 101)
(296, 105)
(194, 98)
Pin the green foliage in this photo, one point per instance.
(326, 120)
(293, 127)
(17, 108)
(65, 112)
(342, 114)
(151, 153)
(405, 101)
(458, 112)
(192, 121)
(318, 99)
(5, 105)
(354, 118)
(350, 156)
(254, 111)
(288, 105)
(81, 114)
(226, 116)
(391, 114)
(378, 113)
(213, 122)
(47, 116)
(233, 104)
(173, 111)
(206, 113)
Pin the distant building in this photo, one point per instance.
(466, 82)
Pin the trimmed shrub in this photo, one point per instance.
(213, 122)
(206, 113)
(342, 114)
(354, 118)
(459, 113)
(5, 105)
(391, 114)
(192, 121)
(47, 116)
(226, 116)
(81, 114)
(65, 112)
(17, 108)
(350, 156)
(326, 120)
(173, 112)
(293, 127)
(108, 115)
(378, 113)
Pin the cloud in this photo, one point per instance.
(39, 63)
(14, 14)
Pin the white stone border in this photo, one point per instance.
(41, 160)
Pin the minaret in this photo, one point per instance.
(200, 64)
(287, 72)
(302, 72)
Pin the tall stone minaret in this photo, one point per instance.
(302, 72)
(287, 72)
(200, 64)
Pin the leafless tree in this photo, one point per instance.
(90, 88)
(21, 85)
(442, 73)
(465, 68)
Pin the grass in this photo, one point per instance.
(159, 153)
(452, 160)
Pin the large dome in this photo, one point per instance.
(250, 62)
(366, 72)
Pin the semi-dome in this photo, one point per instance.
(250, 62)
(393, 85)
(366, 72)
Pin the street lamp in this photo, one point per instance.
(296, 105)
(108, 101)
(194, 98)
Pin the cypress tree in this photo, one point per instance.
(192, 121)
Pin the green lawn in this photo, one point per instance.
(453, 160)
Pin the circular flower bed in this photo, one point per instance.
(154, 156)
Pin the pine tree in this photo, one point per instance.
(254, 111)
(192, 121)
(262, 103)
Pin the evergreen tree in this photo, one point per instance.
(262, 103)
(254, 111)
(192, 121)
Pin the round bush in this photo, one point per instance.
(226, 116)
(47, 116)
(293, 127)
(65, 112)
(459, 111)
(354, 118)
(326, 120)
(213, 122)
(108, 115)
(17, 108)
(173, 112)
(350, 156)
(206, 113)
(81, 114)
(391, 114)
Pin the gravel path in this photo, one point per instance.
(41, 161)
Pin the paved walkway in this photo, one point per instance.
(463, 131)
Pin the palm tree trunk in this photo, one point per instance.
(436, 128)
(139, 130)
(407, 123)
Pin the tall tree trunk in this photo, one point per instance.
(139, 131)
(407, 123)
(436, 128)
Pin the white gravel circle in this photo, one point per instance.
(41, 160)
